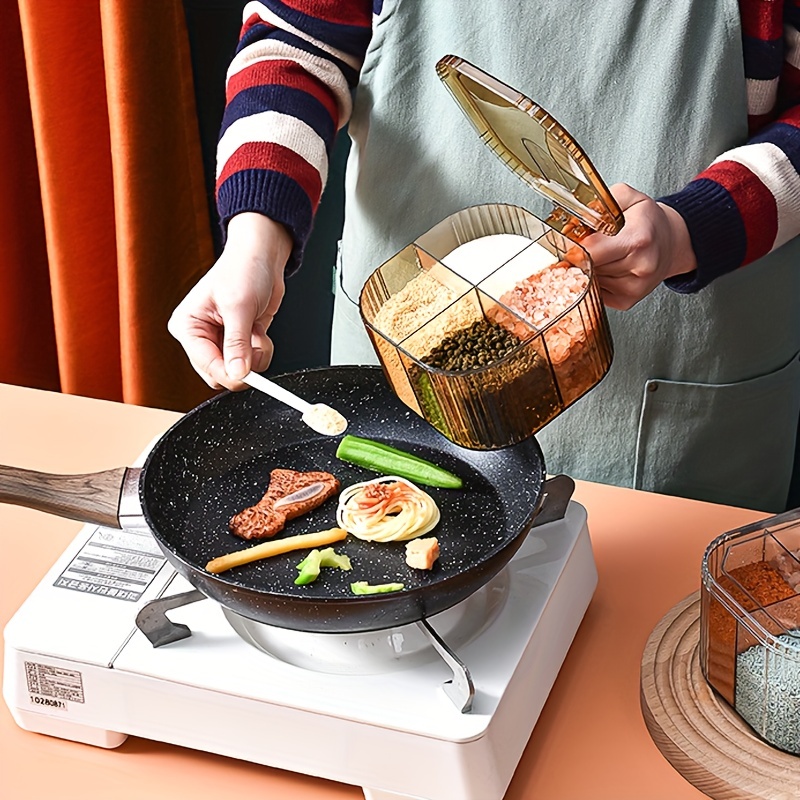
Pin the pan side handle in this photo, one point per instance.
(93, 497)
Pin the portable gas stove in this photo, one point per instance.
(433, 710)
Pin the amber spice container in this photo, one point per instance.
(551, 361)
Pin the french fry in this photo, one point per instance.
(274, 548)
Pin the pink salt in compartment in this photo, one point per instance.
(558, 298)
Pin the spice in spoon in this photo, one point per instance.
(325, 420)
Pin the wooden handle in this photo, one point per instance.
(87, 498)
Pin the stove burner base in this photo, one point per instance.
(397, 735)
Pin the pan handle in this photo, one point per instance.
(94, 497)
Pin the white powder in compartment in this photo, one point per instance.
(477, 259)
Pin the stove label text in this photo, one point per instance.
(114, 563)
(48, 701)
(52, 686)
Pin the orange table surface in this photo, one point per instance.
(590, 740)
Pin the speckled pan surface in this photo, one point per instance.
(217, 459)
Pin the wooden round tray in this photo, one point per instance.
(697, 732)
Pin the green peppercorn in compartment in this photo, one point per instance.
(750, 625)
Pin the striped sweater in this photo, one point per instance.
(289, 89)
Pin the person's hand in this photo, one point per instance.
(222, 323)
(653, 245)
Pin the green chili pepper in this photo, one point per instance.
(362, 587)
(391, 461)
(310, 566)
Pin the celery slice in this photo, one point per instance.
(310, 566)
(362, 587)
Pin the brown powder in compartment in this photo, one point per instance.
(752, 586)
(762, 583)
(417, 303)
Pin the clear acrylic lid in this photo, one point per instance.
(535, 147)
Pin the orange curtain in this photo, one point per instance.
(105, 222)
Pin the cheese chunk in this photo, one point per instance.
(421, 553)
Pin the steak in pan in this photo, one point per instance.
(269, 515)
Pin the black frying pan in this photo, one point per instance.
(217, 458)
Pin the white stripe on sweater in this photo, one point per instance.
(761, 96)
(277, 128)
(791, 43)
(276, 21)
(320, 68)
(776, 172)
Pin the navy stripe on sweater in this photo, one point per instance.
(763, 59)
(352, 39)
(257, 33)
(784, 136)
(272, 97)
(716, 229)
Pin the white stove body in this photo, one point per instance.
(76, 667)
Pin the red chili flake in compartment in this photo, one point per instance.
(751, 586)
(762, 582)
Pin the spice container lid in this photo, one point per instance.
(535, 147)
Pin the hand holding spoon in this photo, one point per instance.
(319, 417)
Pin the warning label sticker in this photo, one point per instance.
(53, 682)
(114, 563)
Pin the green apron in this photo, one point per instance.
(703, 397)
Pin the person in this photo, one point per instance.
(695, 104)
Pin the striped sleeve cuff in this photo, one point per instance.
(716, 231)
(273, 193)
(746, 204)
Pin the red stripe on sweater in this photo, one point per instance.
(282, 73)
(791, 117)
(276, 157)
(755, 122)
(762, 19)
(755, 203)
(342, 12)
(251, 22)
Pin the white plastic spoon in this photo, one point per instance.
(319, 417)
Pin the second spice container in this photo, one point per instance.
(750, 625)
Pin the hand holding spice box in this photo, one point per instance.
(421, 313)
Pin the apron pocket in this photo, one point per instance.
(730, 443)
